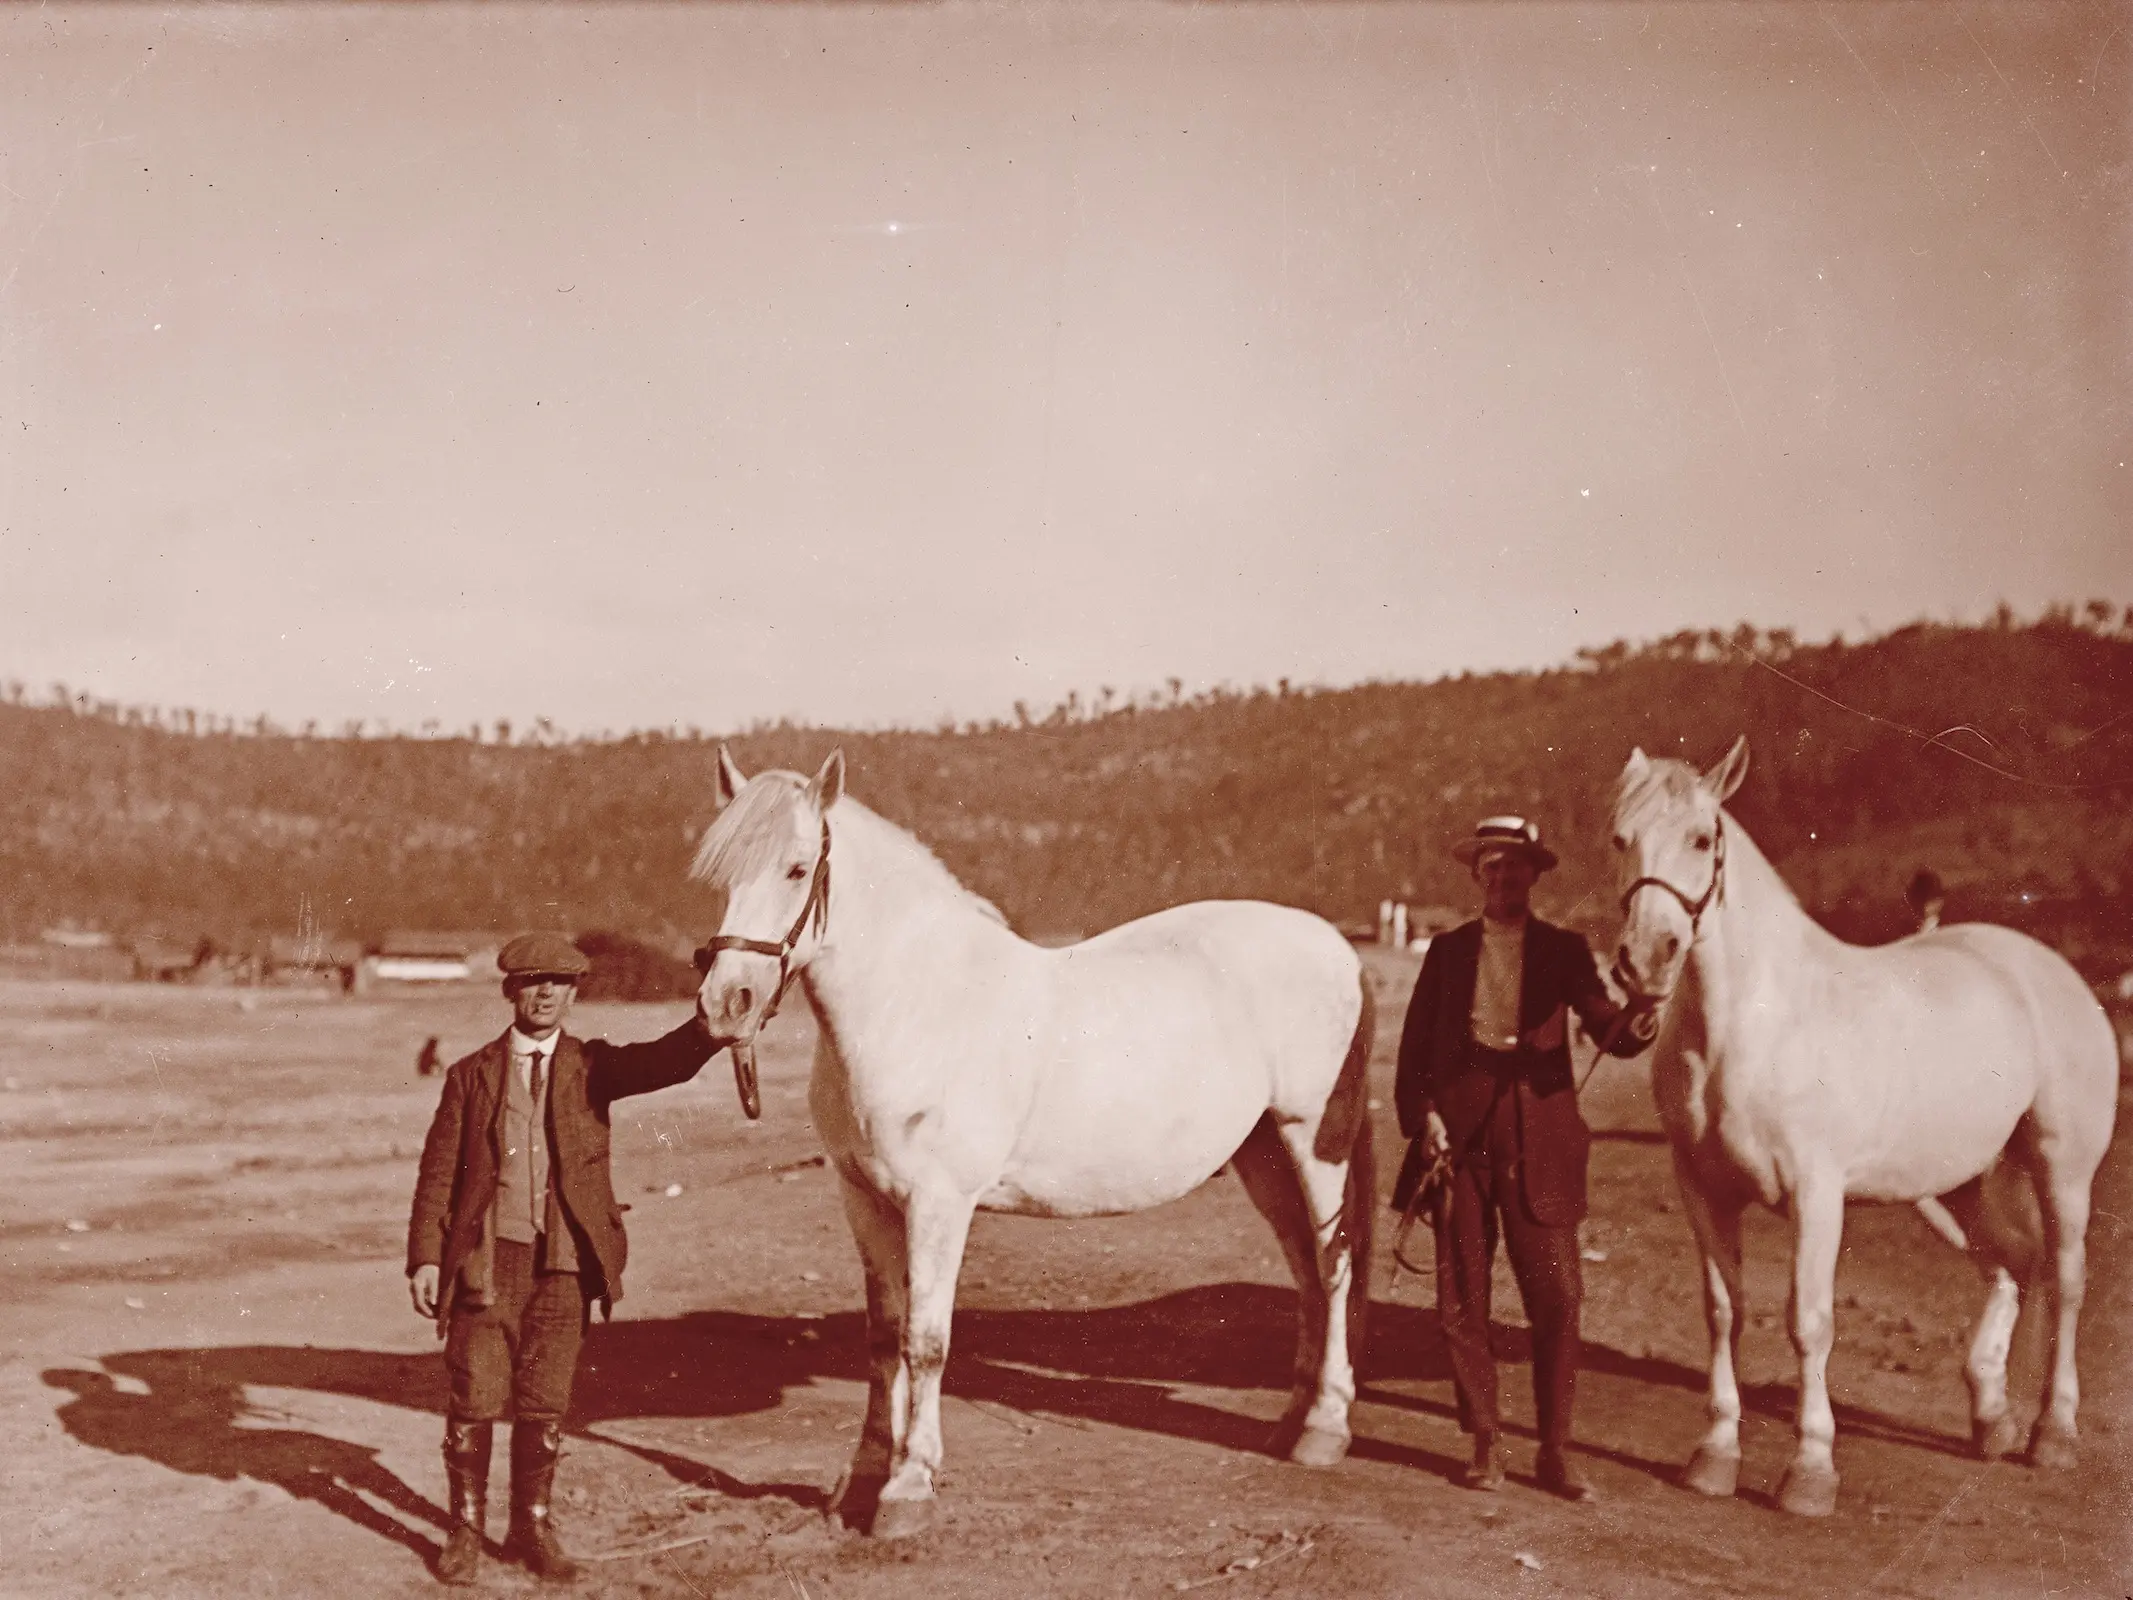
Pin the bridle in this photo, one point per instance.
(814, 909)
(1697, 907)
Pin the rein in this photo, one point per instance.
(815, 909)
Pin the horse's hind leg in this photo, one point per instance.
(2065, 1197)
(1715, 1467)
(1992, 1425)
(878, 1229)
(2002, 1240)
(1306, 1199)
(1343, 1278)
(1264, 1167)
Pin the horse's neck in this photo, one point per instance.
(897, 918)
(1753, 934)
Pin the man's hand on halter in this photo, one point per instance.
(422, 1290)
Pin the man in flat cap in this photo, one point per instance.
(1484, 1081)
(515, 1233)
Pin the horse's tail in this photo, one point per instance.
(1359, 1203)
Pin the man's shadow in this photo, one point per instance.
(207, 1428)
(1118, 1365)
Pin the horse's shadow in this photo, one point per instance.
(1120, 1365)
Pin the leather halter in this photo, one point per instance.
(814, 909)
(1695, 908)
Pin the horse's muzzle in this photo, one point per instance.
(1627, 982)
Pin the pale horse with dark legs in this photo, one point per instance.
(1795, 1069)
(960, 1067)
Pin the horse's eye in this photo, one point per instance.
(1621, 843)
(1703, 841)
(796, 871)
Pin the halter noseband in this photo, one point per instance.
(814, 909)
(1695, 908)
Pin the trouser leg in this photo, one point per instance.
(1551, 1283)
(1466, 1252)
(552, 1330)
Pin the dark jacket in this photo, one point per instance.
(457, 1183)
(1437, 1069)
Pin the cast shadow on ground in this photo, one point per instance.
(1118, 1365)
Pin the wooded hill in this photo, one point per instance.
(2000, 755)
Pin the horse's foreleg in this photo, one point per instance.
(1810, 1486)
(1715, 1467)
(2066, 1220)
(936, 1227)
(878, 1230)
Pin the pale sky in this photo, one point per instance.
(706, 363)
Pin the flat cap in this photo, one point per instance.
(533, 955)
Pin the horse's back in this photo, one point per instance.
(1276, 983)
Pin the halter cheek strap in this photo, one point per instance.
(814, 909)
(1697, 907)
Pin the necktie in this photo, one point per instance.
(533, 1076)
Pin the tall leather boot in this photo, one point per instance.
(534, 1448)
(466, 1471)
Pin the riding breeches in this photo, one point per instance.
(521, 1350)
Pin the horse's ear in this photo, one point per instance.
(828, 783)
(1637, 763)
(1724, 778)
(730, 778)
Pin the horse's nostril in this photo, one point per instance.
(741, 1001)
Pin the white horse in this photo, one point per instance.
(1795, 1069)
(961, 1067)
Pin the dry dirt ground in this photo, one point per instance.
(211, 1383)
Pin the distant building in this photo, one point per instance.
(290, 958)
(161, 961)
(422, 958)
(76, 938)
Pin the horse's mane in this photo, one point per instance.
(750, 832)
(750, 836)
(1663, 782)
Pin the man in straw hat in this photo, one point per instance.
(1484, 1080)
(515, 1233)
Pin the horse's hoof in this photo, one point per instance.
(1319, 1447)
(900, 1519)
(1997, 1439)
(1809, 1491)
(2051, 1446)
(1712, 1472)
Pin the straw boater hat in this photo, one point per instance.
(1504, 833)
(542, 955)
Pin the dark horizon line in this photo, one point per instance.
(1745, 639)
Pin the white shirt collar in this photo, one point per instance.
(524, 1045)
